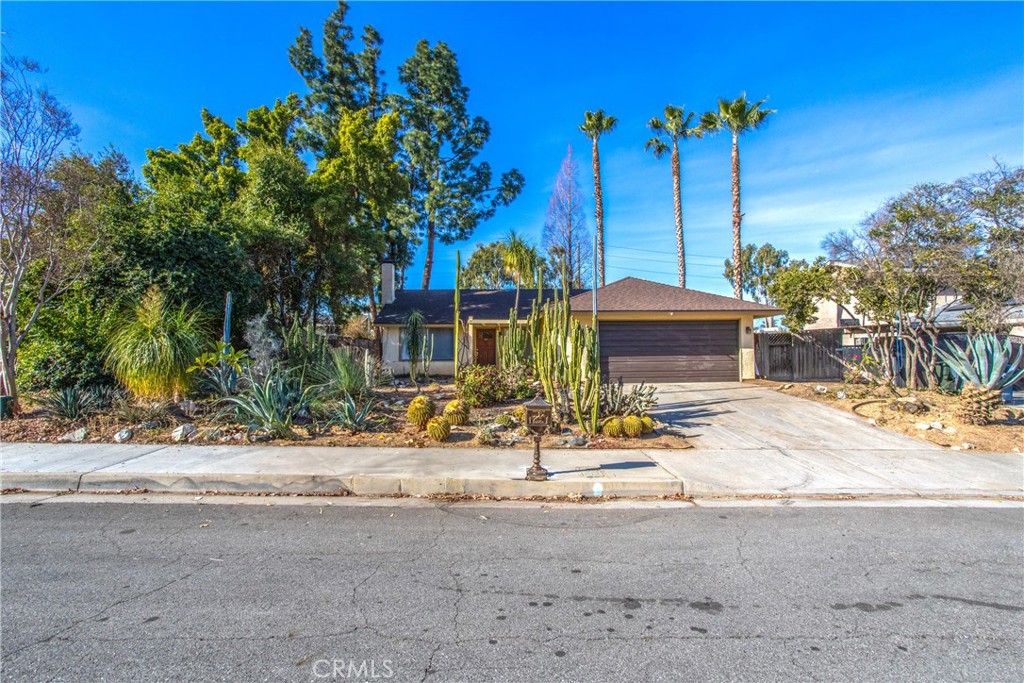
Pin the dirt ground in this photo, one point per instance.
(1004, 435)
(390, 428)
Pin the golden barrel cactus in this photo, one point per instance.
(612, 427)
(438, 428)
(648, 424)
(421, 409)
(456, 412)
(633, 426)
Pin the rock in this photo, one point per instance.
(188, 408)
(785, 386)
(955, 448)
(923, 426)
(76, 436)
(497, 428)
(840, 394)
(967, 446)
(148, 424)
(1016, 450)
(821, 390)
(949, 430)
(259, 437)
(216, 434)
(576, 442)
(871, 421)
(123, 436)
(183, 432)
(936, 425)
(237, 436)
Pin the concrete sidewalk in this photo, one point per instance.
(500, 473)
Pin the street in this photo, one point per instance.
(197, 592)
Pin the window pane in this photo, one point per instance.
(444, 343)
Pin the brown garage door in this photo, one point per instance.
(684, 351)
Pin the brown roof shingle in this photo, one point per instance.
(631, 294)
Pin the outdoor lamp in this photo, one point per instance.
(538, 421)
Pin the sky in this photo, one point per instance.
(871, 99)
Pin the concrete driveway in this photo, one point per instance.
(739, 416)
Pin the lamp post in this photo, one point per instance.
(538, 420)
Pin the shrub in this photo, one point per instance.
(518, 383)
(219, 370)
(438, 428)
(519, 413)
(151, 351)
(272, 404)
(480, 386)
(505, 420)
(485, 437)
(72, 403)
(132, 412)
(304, 347)
(340, 373)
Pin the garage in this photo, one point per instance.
(670, 351)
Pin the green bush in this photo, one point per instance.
(481, 385)
(271, 405)
(151, 350)
(71, 403)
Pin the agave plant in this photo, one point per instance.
(986, 365)
(349, 416)
(73, 403)
(271, 405)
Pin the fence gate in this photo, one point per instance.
(784, 357)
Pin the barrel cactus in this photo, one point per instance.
(648, 424)
(456, 412)
(986, 365)
(632, 426)
(438, 428)
(421, 409)
(612, 427)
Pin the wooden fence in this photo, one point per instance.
(783, 356)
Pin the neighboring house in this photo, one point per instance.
(648, 331)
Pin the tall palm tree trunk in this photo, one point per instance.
(599, 216)
(428, 263)
(678, 197)
(737, 217)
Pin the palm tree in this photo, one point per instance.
(520, 260)
(596, 124)
(676, 126)
(738, 117)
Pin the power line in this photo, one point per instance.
(631, 269)
(647, 259)
(662, 251)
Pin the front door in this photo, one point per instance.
(485, 347)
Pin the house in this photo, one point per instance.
(648, 331)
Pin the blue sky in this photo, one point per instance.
(872, 98)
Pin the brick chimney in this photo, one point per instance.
(387, 282)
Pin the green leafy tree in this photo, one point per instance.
(595, 124)
(738, 117)
(452, 191)
(797, 288)
(759, 267)
(486, 268)
(677, 125)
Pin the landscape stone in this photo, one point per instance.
(76, 436)
(123, 436)
(149, 424)
(923, 426)
(937, 425)
(183, 432)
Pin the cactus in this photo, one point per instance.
(648, 424)
(421, 409)
(612, 427)
(985, 365)
(512, 344)
(505, 420)
(438, 428)
(458, 301)
(633, 426)
(456, 412)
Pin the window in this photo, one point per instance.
(443, 339)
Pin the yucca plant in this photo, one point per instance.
(349, 416)
(271, 405)
(72, 404)
(152, 349)
(986, 365)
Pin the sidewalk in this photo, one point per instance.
(500, 473)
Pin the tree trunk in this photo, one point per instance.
(8, 359)
(428, 264)
(737, 218)
(678, 197)
(599, 217)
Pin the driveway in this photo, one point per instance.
(740, 416)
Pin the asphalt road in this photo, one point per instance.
(245, 592)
